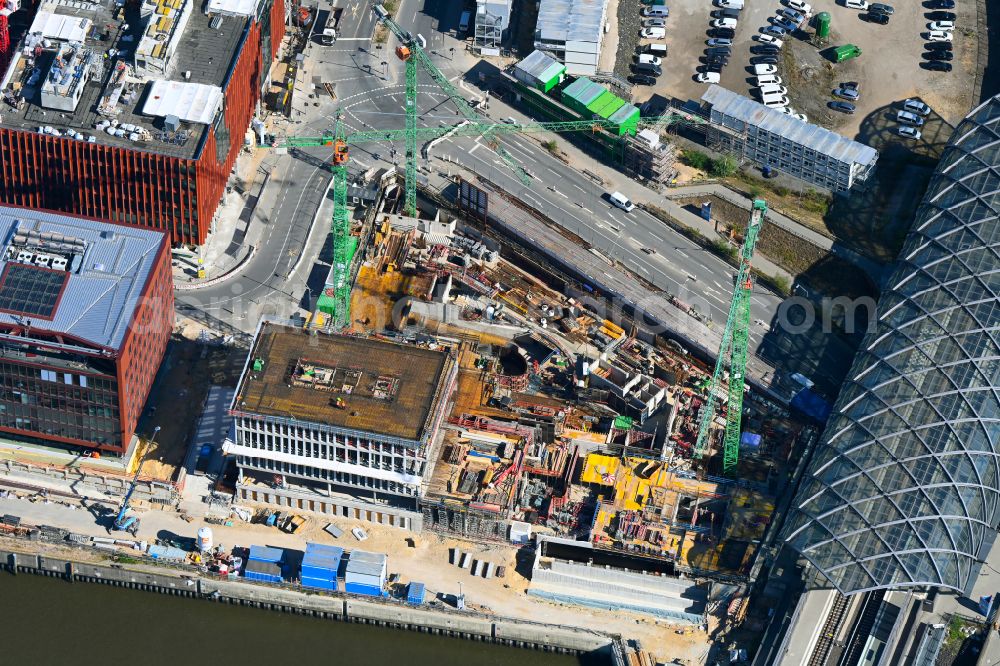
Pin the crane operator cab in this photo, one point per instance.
(339, 152)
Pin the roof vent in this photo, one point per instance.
(187, 75)
(108, 234)
(171, 123)
(98, 267)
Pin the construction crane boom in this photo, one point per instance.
(733, 353)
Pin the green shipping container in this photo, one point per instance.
(611, 107)
(599, 103)
(626, 119)
(846, 52)
(580, 94)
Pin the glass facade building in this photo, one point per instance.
(904, 486)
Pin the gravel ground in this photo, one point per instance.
(629, 24)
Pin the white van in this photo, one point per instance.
(775, 101)
(765, 79)
(656, 11)
(708, 77)
(649, 59)
(659, 50)
(729, 4)
(725, 23)
(619, 200)
(773, 88)
(764, 69)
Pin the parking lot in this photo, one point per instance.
(888, 70)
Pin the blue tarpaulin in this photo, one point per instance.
(812, 405)
(750, 440)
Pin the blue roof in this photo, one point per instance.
(322, 556)
(266, 554)
(108, 266)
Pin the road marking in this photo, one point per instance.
(354, 39)
(681, 252)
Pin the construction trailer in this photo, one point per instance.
(264, 564)
(366, 573)
(320, 566)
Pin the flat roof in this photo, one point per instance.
(194, 53)
(806, 134)
(571, 21)
(101, 268)
(382, 388)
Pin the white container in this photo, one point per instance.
(205, 539)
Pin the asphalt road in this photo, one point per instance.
(372, 95)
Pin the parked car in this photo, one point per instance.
(764, 60)
(801, 116)
(874, 17)
(724, 33)
(940, 16)
(881, 8)
(939, 56)
(843, 107)
(713, 68)
(938, 46)
(642, 80)
(647, 68)
(708, 77)
(940, 4)
(776, 103)
(648, 59)
(944, 26)
(725, 23)
(938, 36)
(765, 48)
(935, 66)
(908, 132)
(783, 23)
(847, 93)
(774, 30)
(799, 6)
(653, 33)
(718, 41)
(761, 70)
(856, 4)
(909, 118)
(853, 85)
(765, 79)
(717, 61)
(659, 11)
(791, 15)
(654, 23)
(917, 107)
(769, 39)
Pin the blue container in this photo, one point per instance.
(321, 561)
(266, 554)
(320, 583)
(263, 572)
(367, 590)
(415, 593)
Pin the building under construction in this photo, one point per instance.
(339, 424)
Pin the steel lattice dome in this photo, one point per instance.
(903, 488)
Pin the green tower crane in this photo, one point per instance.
(733, 353)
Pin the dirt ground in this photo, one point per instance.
(189, 368)
(426, 561)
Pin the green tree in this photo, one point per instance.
(724, 167)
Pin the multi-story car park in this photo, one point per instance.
(134, 112)
(768, 137)
(86, 311)
(345, 423)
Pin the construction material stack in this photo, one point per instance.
(320, 566)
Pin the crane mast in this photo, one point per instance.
(733, 354)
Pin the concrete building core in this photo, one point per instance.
(359, 414)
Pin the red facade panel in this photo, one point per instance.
(127, 186)
(145, 344)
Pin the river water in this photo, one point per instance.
(50, 621)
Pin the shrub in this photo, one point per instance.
(696, 159)
(724, 167)
(550, 145)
